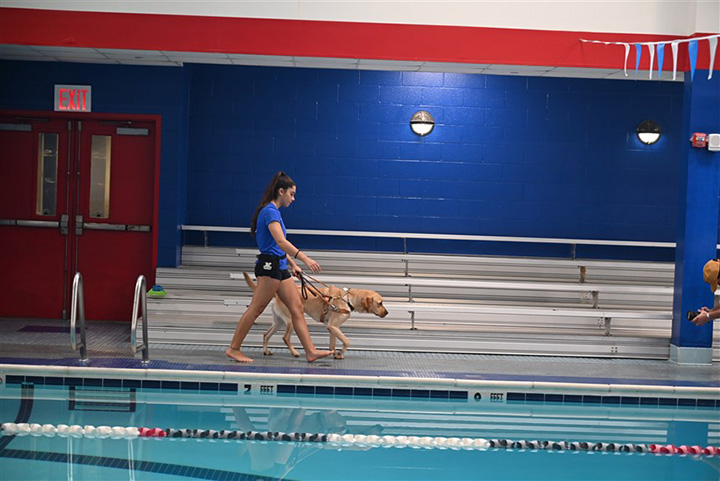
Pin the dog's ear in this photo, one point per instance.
(367, 303)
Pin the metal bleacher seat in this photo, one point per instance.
(443, 303)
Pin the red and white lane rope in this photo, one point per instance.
(346, 440)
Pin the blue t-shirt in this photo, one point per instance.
(265, 241)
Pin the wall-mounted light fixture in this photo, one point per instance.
(422, 123)
(648, 132)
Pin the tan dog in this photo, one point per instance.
(332, 314)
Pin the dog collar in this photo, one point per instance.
(347, 299)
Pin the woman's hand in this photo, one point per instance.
(703, 317)
(311, 264)
(296, 271)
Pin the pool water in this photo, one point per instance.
(39, 457)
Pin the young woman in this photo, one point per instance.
(271, 269)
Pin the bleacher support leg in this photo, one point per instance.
(607, 320)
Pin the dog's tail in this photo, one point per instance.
(249, 281)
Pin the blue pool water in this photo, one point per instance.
(39, 457)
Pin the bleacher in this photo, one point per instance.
(441, 303)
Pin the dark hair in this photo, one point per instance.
(279, 181)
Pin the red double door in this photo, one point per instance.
(76, 195)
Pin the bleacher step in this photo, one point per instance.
(439, 303)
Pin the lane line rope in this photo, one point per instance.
(346, 440)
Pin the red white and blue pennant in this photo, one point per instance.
(659, 47)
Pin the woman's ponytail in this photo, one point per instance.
(279, 181)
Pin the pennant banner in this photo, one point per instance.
(692, 53)
(627, 53)
(713, 41)
(674, 44)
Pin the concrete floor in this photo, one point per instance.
(39, 342)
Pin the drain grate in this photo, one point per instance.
(102, 400)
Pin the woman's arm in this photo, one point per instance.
(296, 270)
(290, 249)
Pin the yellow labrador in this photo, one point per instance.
(332, 314)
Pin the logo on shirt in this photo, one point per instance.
(268, 266)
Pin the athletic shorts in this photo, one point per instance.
(268, 265)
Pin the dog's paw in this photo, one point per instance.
(339, 355)
(268, 352)
(296, 354)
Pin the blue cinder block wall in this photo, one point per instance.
(509, 156)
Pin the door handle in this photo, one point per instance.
(78, 225)
(117, 227)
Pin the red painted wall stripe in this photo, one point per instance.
(326, 39)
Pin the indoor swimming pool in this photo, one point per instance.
(70, 428)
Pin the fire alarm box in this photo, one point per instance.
(699, 140)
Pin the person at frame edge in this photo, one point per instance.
(271, 269)
(711, 274)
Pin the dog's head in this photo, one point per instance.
(373, 302)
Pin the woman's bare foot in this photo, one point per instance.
(315, 355)
(237, 355)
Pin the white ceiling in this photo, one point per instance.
(177, 59)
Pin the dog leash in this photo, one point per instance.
(311, 277)
(342, 298)
(306, 285)
(302, 274)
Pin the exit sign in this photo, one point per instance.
(73, 98)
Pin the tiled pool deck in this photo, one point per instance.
(46, 343)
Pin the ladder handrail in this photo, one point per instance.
(140, 298)
(78, 304)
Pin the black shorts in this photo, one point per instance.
(269, 266)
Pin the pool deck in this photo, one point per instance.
(47, 343)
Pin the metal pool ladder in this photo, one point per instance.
(78, 304)
(140, 298)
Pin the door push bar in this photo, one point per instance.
(52, 224)
(78, 306)
(80, 225)
(140, 301)
(117, 227)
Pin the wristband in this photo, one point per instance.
(296, 254)
(707, 314)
